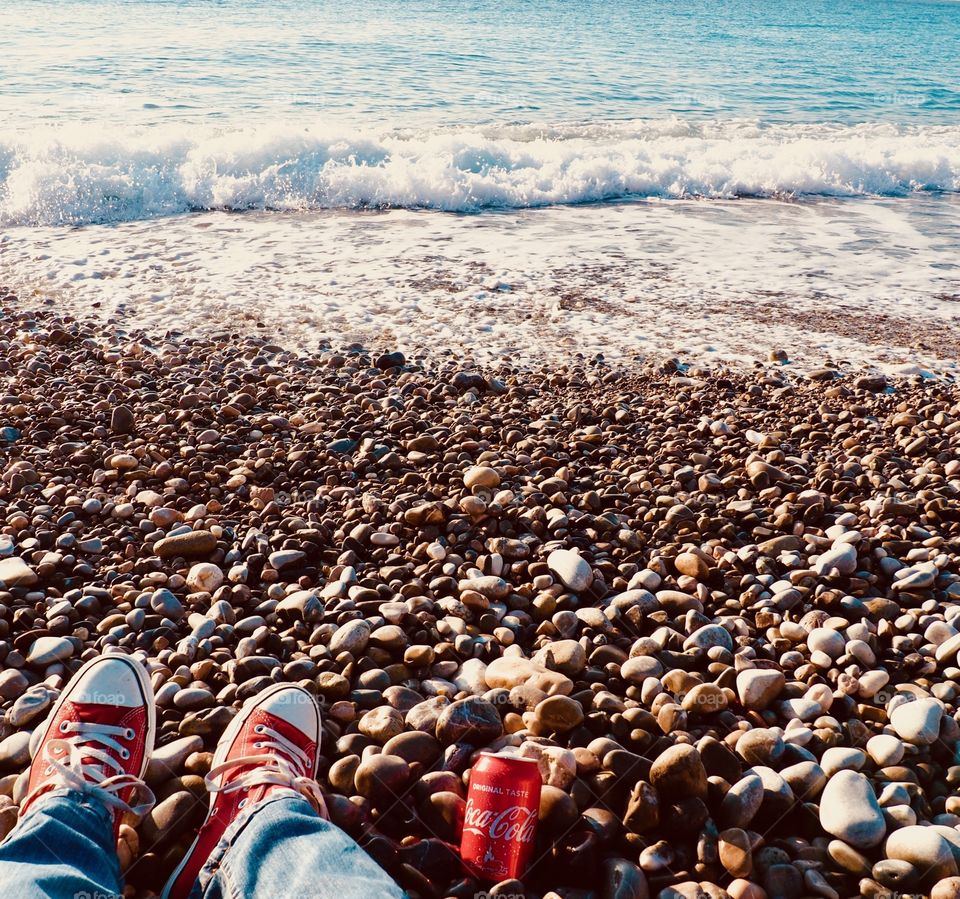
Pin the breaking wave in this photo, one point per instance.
(68, 176)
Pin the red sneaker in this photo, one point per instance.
(272, 745)
(98, 737)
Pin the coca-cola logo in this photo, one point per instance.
(515, 824)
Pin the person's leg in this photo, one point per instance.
(284, 848)
(63, 849)
(91, 755)
(263, 836)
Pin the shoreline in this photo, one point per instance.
(712, 283)
(725, 586)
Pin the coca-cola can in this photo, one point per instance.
(500, 822)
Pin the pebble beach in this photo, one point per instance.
(720, 607)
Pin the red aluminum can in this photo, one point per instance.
(500, 823)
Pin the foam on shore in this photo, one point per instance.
(869, 281)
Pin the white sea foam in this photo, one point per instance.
(866, 281)
(76, 175)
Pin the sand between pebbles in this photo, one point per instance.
(721, 609)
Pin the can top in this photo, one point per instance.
(505, 755)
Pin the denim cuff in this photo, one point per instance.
(78, 801)
(233, 832)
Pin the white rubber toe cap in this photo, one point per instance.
(111, 681)
(295, 706)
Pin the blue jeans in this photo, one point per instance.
(64, 849)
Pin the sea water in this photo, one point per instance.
(518, 161)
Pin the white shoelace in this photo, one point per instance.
(65, 757)
(283, 764)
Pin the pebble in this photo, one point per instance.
(481, 476)
(566, 656)
(170, 817)
(636, 670)
(745, 889)
(761, 746)
(12, 683)
(705, 699)
(471, 720)
(899, 876)
(709, 636)
(381, 724)
(885, 750)
(188, 545)
(914, 579)
(390, 360)
(759, 687)
(948, 888)
(848, 858)
(490, 586)
(167, 760)
(14, 572)
(643, 814)
(47, 650)
(165, 603)
(382, 778)
(736, 852)
(8, 816)
(302, 605)
(693, 564)
(840, 758)
(849, 810)
(924, 848)
(827, 641)
(513, 671)
(122, 420)
(192, 698)
(286, 559)
(123, 462)
(351, 637)
(558, 713)
(30, 705)
(742, 801)
(15, 750)
(571, 569)
(620, 879)
(678, 772)
(425, 715)
(842, 559)
(558, 766)
(783, 881)
(204, 577)
(918, 722)
(806, 779)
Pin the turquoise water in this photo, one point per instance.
(414, 63)
(126, 110)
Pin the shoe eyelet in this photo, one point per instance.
(64, 727)
(258, 729)
(130, 733)
(49, 770)
(124, 754)
(242, 803)
(257, 745)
